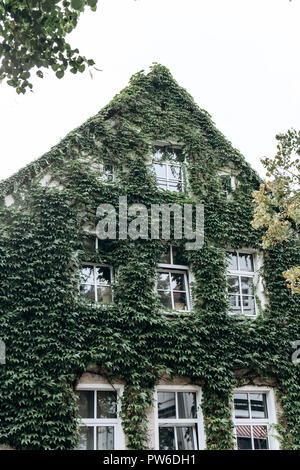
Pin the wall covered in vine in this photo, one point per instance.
(52, 334)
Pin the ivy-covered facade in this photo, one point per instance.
(140, 343)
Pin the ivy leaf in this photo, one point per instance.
(77, 4)
(92, 3)
(60, 73)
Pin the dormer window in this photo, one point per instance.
(168, 171)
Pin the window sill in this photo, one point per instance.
(175, 313)
(239, 316)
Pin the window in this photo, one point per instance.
(253, 414)
(228, 183)
(168, 173)
(240, 276)
(108, 172)
(96, 283)
(172, 283)
(178, 419)
(100, 425)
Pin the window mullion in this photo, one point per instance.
(240, 294)
(196, 444)
(176, 405)
(175, 436)
(171, 289)
(249, 405)
(95, 285)
(187, 290)
(252, 439)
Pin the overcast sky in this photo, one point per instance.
(239, 59)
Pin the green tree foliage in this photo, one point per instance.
(33, 36)
(277, 203)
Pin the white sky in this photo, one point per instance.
(239, 59)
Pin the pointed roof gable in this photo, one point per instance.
(154, 106)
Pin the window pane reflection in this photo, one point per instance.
(187, 405)
(86, 404)
(167, 438)
(86, 438)
(105, 438)
(106, 404)
(166, 405)
(185, 438)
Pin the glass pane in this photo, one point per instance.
(104, 294)
(88, 291)
(106, 404)
(185, 438)
(246, 262)
(241, 405)
(179, 256)
(165, 299)
(260, 437)
(103, 275)
(180, 302)
(233, 284)
(243, 437)
(86, 404)
(187, 407)
(162, 184)
(235, 304)
(105, 438)
(166, 438)
(89, 244)
(166, 405)
(87, 275)
(86, 438)
(258, 403)
(248, 305)
(163, 281)
(247, 285)
(165, 256)
(160, 170)
(177, 281)
(174, 186)
(108, 172)
(232, 260)
(226, 182)
(174, 172)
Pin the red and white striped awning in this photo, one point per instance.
(259, 432)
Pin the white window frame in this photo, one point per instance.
(233, 181)
(98, 265)
(167, 181)
(119, 437)
(177, 422)
(271, 420)
(177, 269)
(251, 274)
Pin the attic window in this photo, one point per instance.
(228, 183)
(168, 169)
(108, 172)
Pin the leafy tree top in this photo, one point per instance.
(33, 36)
